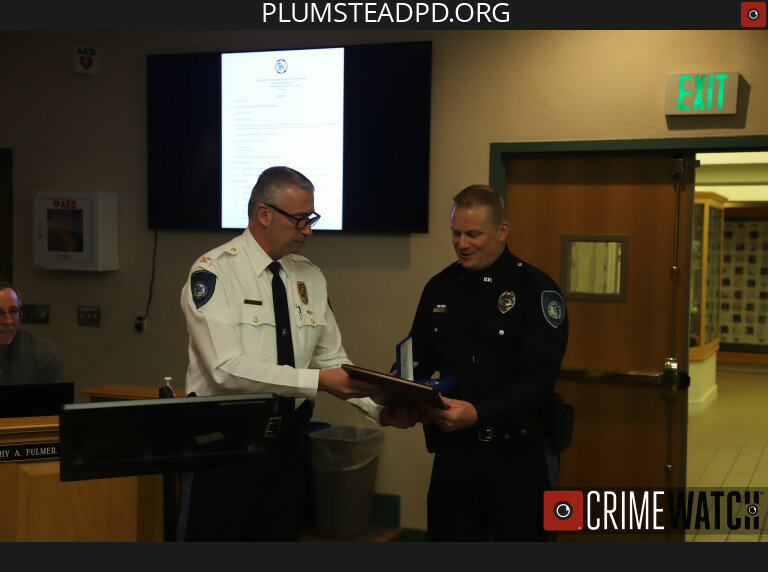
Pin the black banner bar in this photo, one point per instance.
(388, 15)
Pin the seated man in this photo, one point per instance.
(24, 357)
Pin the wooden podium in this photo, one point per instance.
(35, 506)
(117, 392)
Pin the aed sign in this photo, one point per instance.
(712, 93)
(87, 60)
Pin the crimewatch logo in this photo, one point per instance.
(563, 510)
(753, 15)
(653, 510)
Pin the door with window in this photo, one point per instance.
(613, 230)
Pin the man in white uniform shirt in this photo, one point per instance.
(233, 349)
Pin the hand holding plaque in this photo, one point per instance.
(394, 391)
(401, 389)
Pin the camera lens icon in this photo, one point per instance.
(563, 510)
(753, 14)
(752, 509)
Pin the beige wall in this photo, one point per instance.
(78, 132)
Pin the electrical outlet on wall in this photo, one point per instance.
(89, 316)
(31, 314)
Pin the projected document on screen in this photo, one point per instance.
(282, 108)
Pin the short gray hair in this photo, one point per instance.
(271, 184)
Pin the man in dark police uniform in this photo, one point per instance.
(499, 325)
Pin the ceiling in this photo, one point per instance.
(739, 177)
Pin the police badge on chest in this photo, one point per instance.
(506, 301)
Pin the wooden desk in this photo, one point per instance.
(35, 506)
(114, 392)
(39, 429)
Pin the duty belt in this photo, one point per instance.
(494, 435)
(499, 434)
(288, 416)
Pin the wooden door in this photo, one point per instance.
(630, 415)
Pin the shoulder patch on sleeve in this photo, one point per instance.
(553, 307)
(202, 283)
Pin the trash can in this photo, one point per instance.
(308, 508)
(344, 463)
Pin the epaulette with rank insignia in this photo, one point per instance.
(217, 253)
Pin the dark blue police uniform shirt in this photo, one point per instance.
(501, 331)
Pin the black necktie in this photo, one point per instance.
(282, 321)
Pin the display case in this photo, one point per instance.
(744, 295)
(706, 268)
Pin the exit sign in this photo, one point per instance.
(712, 93)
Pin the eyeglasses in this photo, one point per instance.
(14, 312)
(301, 222)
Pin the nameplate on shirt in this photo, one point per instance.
(254, 302)
(29, 452)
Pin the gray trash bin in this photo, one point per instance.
(344, 463)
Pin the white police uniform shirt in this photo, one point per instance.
(227, 303)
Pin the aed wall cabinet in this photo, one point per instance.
(706, 268)
(75, 230)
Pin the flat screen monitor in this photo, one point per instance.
(354, 119)
(35, 399)
(152, 436)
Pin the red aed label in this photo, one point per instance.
(64, 204)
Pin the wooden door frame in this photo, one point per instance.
(6, 214)
(497, 174)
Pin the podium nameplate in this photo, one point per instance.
(28, 452)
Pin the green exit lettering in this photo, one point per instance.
(703, 89)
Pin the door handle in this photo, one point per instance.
(670, 378)
(613, 376)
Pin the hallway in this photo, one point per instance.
(728, 446)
